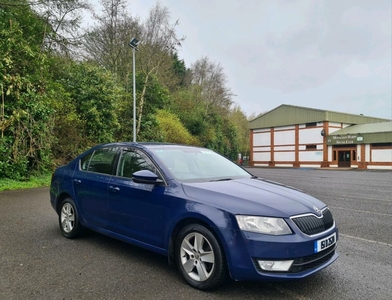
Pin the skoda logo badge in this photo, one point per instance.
(316, 210)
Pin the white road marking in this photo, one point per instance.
(366, 199)
(361, 211)
(365, 240)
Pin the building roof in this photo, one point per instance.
(285, 115)
(365, 128)
(375, 133)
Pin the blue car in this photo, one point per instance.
(209, 216)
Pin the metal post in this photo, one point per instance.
(134, 98)
(133, 44)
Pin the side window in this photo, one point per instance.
(100, 161)
(84, 162)
(132, 161)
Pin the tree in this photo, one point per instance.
(107, 43)
(94, 96)
(240, 121)
(63, 19)
(26, 113)
(180, 71)
(172, 130)
(203, 106)
(157, 61)
(157, 97)
(186, 104)
(156, 52)
(52, 104)
(212, 81)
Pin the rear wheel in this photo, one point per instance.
(200, 258)
(69, 219)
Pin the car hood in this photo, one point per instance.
(253, 197)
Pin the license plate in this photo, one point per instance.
(324, 243)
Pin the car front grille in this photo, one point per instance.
(302, 264)
(311, 224)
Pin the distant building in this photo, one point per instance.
(293, 136)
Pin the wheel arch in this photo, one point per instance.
(60, 199)
(195, 220)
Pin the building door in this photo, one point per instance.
(344, 159)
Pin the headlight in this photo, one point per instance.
(266, 225)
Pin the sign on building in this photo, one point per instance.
(345, 139)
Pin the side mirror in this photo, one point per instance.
(146, 176)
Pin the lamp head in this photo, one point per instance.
(134, 43)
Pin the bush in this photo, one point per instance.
(172, 130)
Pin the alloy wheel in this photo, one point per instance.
(197, 256)
(67, 217)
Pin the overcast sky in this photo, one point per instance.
(325, 54)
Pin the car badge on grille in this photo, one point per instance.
(317, 210)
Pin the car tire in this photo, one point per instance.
(69, 219)
(200, 258)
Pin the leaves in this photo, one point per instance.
(55, 106)
(26, 111)
(172, 130)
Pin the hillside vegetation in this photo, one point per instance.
(64, 89)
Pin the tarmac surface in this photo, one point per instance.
(36, 262)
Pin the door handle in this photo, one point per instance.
(77, 181)
(114, 189)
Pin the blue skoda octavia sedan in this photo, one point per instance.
(210, 217)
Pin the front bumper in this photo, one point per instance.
(247, 249)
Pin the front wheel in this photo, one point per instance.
(69, 219)
(199, 257)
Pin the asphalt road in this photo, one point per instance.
(36, 262)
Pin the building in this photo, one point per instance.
(293, 136)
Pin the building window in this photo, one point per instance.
(311, 147)
(334, 155)
(313, 124)
(382, 146)
(354, 155)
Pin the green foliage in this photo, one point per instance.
(10, 167)
(53, 107)
(240, 121)
(21, 36)
(173, 131)
(156, 97)
(207, 124)
(33, 182)
(220, 135)
(187, 105)
(26, 112)
(92, 103)
(68, 141)
(180, 70)
(230, 140)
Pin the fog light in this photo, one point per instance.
(272, 265)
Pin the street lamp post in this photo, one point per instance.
(133, 44)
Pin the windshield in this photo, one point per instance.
(188, 164)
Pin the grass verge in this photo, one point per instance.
(34, 181)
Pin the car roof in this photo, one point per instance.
(148, 145)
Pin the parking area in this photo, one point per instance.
(36, 262)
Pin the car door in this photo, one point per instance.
(91, 181)
(136, 210)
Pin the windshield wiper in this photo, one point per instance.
(222, 179)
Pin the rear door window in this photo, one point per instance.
(100, 161)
